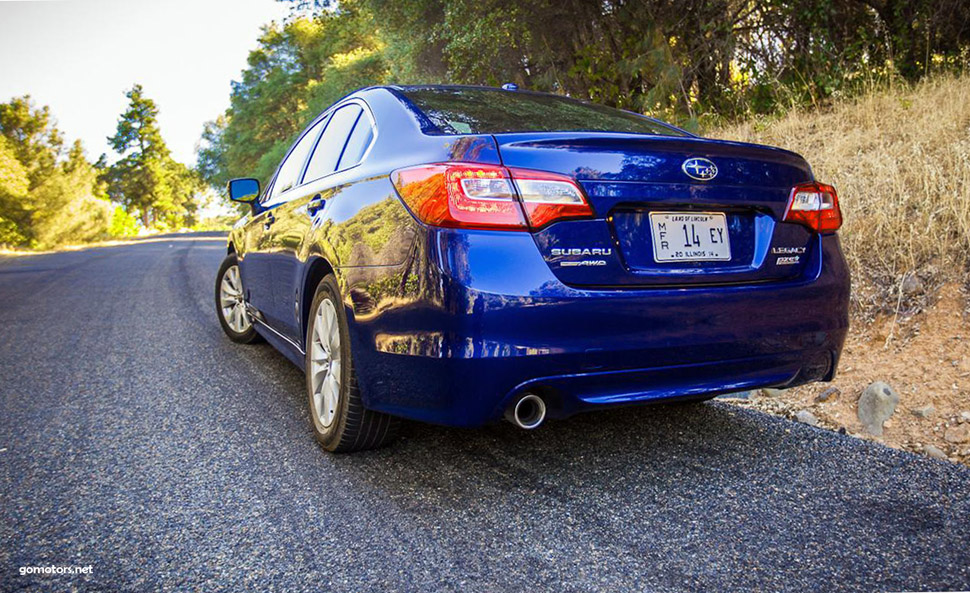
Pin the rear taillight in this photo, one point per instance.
(466, 195)
(548, 197)
(816, 206)
(460, 195)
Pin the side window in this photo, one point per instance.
(357, 144)
(289, 174)
(331, 145)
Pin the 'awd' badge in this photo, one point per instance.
(582, 251)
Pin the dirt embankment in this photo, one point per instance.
(925, 358)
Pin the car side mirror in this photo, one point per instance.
(245, 190)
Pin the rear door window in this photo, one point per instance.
(358, 143)
(289, 174)
(331, 145)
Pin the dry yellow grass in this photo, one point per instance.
(900, 160)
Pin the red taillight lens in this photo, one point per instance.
(460, 195)
(548, 197)
(465, 195)
(816, 206)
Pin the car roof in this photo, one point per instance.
(472, 87)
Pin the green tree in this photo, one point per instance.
(36, 142)
(674, 59)
(297, 69)
(13, 191)
(70, 205)
(47, 198)
(689, 61)
(146, 179)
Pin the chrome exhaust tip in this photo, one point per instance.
(528, 412)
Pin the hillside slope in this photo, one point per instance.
(900, 160)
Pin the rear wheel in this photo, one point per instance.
(231, 303)
(341, 423)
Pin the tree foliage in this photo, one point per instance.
(688, 61)
(146, 180)
(49, 196)
(13, 193)
(298, 68)
(676, 59)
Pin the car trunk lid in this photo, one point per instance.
(662, 215)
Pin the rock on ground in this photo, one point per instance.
(934, 452)
(912, 285)
(830, 394)
(806, 417)
(958, 434)
(876, 405)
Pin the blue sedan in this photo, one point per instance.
(456, 254)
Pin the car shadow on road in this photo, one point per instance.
(629, 450)
(611, 446)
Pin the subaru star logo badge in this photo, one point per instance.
(700, 169)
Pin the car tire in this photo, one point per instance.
(231, 303)
(340, 421)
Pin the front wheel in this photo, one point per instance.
(341, 423)
(231, 303)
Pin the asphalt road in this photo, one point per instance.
(136, 438)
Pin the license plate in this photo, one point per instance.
(690, 236)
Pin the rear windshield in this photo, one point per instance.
(456, 110)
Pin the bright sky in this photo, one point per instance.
(80, 56)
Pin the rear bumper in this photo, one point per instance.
(488, 321)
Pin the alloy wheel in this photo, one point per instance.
(231, 301)
(325, 363)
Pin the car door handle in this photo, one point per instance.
(270, 219)
(315, 204)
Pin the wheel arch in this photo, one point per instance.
(317, 268)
